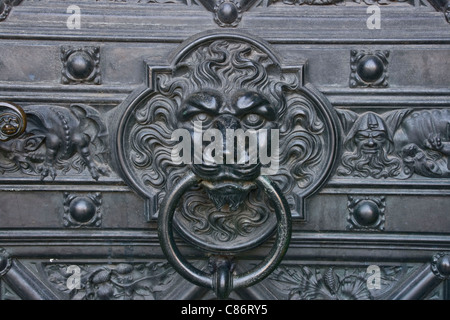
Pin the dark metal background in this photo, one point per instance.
(388, 90)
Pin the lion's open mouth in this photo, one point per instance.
(228, 193)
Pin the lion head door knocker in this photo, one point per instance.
(226, 142)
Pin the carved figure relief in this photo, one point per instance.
(396, 144)
(228, 13)
(369, 144)
(423, 141)
(58, 139)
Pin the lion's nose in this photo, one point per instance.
(226, 122)
(227, 125)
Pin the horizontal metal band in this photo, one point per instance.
(149, 238)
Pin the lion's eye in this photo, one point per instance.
(253, 120)
(201, 117)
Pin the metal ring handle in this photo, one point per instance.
(201, 278)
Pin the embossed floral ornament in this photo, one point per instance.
(113, 282)
(332, 283)
(312, 284)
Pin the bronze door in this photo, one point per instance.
(244, 149)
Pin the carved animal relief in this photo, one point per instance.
(57, 140)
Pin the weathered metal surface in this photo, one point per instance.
(356, 94)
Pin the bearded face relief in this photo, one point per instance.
(369, 146)
(397, 144)
(370, 141)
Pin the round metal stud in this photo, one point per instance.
(366, 213)
(82, 209)
(80, 65)
(227, 12)
(443, 265)
(370, 68)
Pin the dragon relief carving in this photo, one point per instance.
(227, 85)
(58, 138)
(396, 144)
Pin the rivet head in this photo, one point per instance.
(227, 12)
(366, 213)
(80, 65)
(443, 265)
(370, 68)
(82, 209)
